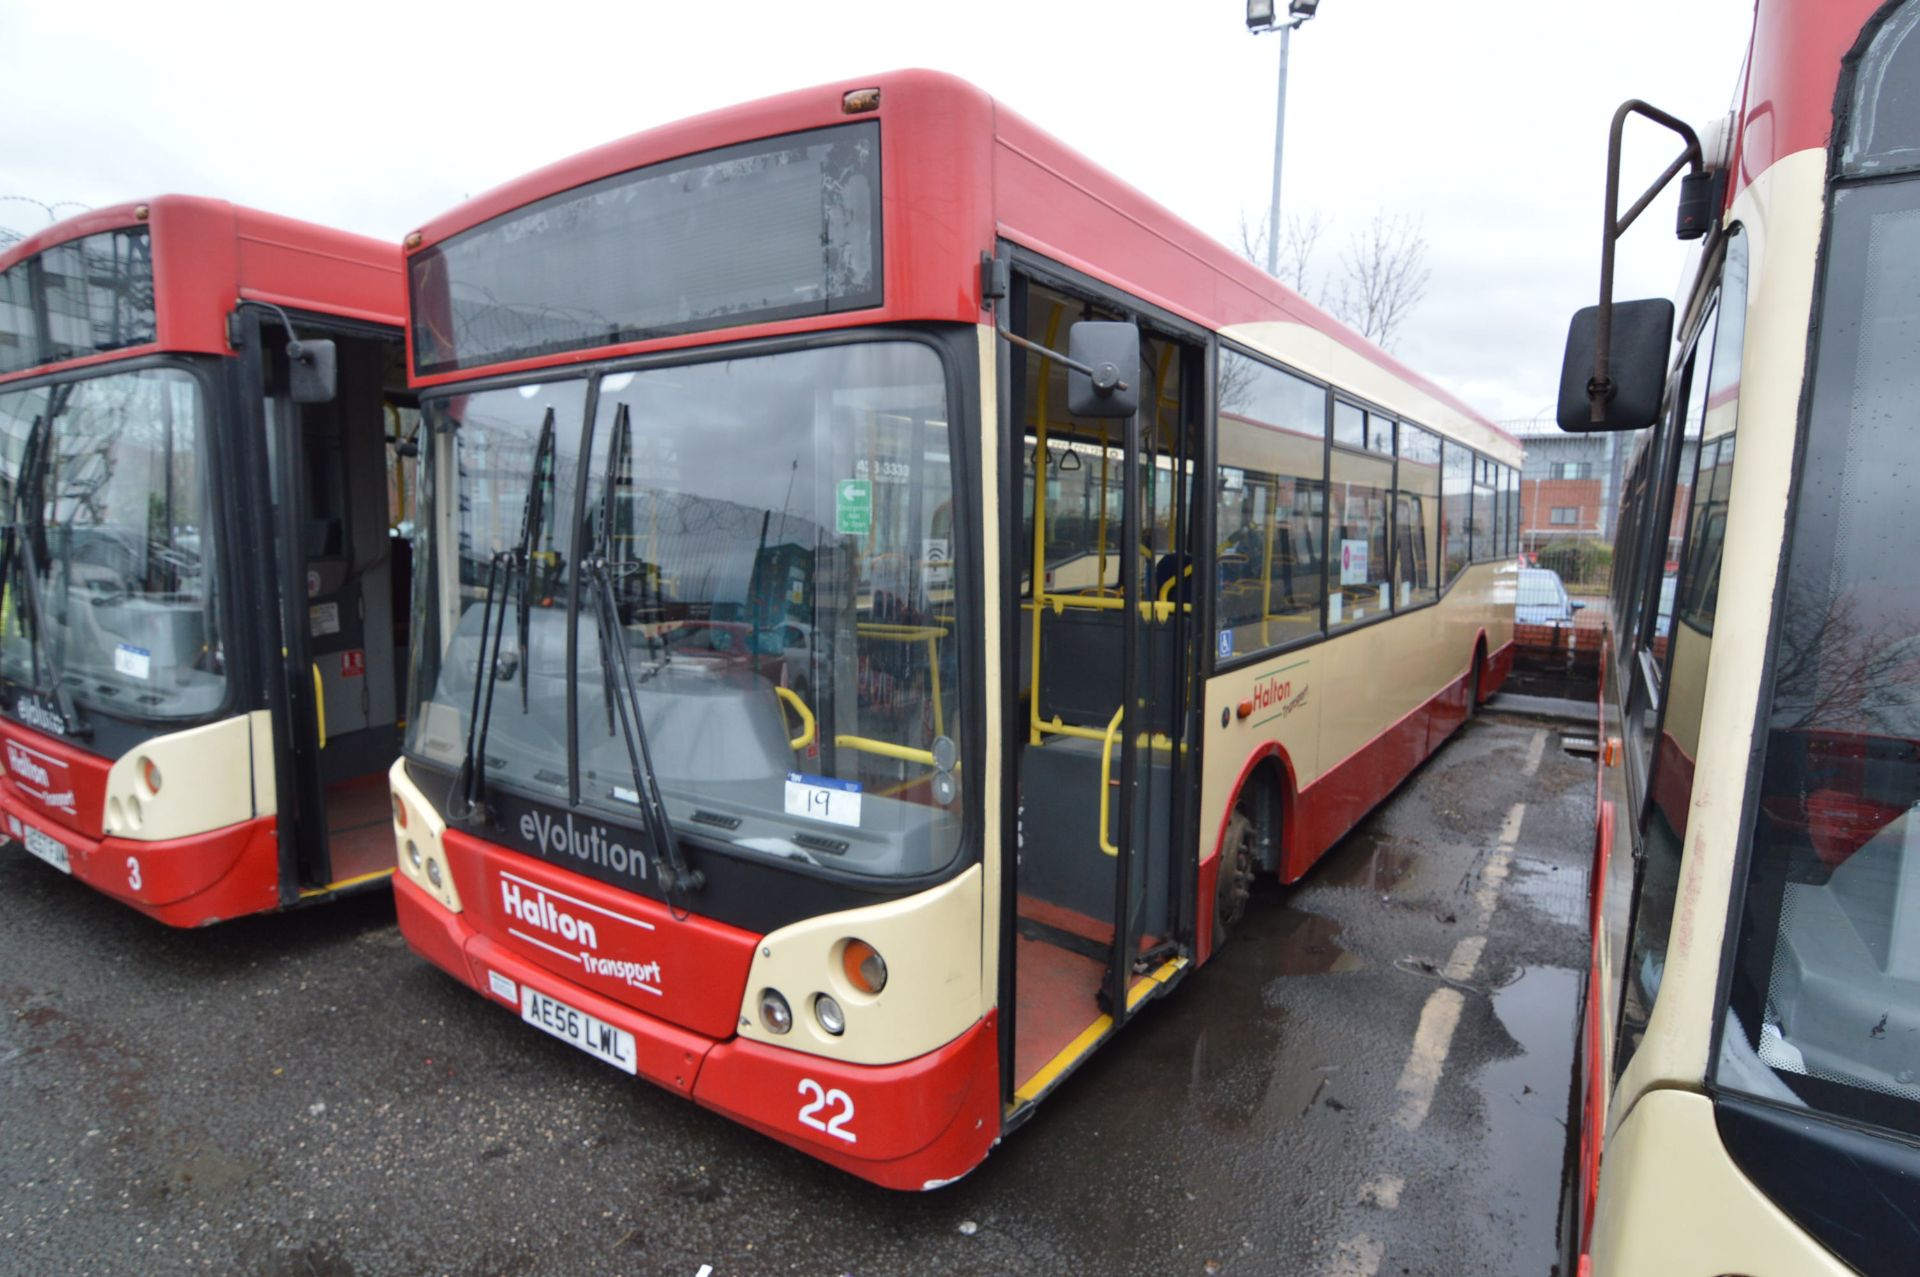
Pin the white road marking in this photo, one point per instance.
(1428, 1059)
(1535, 752)
(1360, 1255)
(1466, 956)
(1383, 1191)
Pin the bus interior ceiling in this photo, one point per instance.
(1072, 617)
(358, 578)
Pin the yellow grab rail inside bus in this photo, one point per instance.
(886, 749)
(1106, 778)
(320, 705)
(808, 729)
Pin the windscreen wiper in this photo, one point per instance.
(25, 545)
(471, 784)
(623, 694)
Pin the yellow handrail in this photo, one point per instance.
(791, 697)
(320, 705)
(1106, 778)
(886, 749)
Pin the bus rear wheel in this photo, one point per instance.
(1235, 883)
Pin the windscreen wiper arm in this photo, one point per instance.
(623, 695)
(24, 533)
(470, 786)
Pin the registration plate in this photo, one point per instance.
(597, 1038)
(47, 847)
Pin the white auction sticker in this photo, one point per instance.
(823, 798)
(134, 662)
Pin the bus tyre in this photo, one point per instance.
(1235, 882)
(1473, 687)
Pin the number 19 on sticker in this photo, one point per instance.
(823, 798)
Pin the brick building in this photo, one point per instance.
(1570, 485)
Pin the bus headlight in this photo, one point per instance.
(774, 1011)
(865, 969)
(828, 1012)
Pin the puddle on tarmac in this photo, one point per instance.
(1526, 1105)
(1559, 891)
(1296, 943)
(1369, 860)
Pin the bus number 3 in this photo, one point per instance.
(835, 1125)
(133, 873)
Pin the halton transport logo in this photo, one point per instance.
(1277, 696)
(33, 775)
(564, 918)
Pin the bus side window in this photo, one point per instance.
(1676, 638)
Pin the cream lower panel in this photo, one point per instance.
(205, 782)
(1323, 703)
(419, 848)
(1673, 1203)
(934, 993)
(1285, 696)
(1782, 212)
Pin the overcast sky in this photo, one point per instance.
(1485, 119)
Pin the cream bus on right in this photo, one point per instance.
(1751, 1046)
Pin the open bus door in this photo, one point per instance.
(1105, 871)
(342, 568)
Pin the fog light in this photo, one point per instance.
(827, 1011)
(433, 871)
(774, 1011)
(399, 812)
(866, 969)
(152, 774)
(413, 854)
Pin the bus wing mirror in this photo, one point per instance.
(1106, 382)
(1636, 367)
(313, 371)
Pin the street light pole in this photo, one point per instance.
(1279, 142)
(1262, 17)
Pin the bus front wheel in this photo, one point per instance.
(1235, 882)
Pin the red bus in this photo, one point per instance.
(204, 620)
(1752, 1032)
(886, 589)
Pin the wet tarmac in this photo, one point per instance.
(1374, 1077)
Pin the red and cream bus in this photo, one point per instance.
(204, 616)
(1752, 1058)
(835, 706)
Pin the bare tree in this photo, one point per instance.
(9, 236)
(1384, 274)
(1298, 237)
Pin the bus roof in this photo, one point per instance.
(962, 171)
(209, 254)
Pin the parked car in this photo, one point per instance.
(1542, 599)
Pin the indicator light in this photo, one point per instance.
(399, 812)
(151, 773)
(860, 101)
(774, 1011)
(866, 970)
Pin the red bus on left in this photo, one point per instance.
(204, 482)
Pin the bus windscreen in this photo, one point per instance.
(768, 230)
